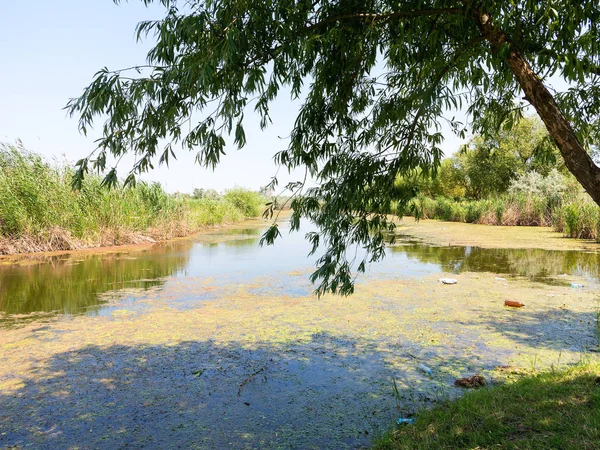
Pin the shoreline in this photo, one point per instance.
(32, 257)
(443, 233)
(430, 231)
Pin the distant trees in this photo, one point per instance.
(487, 166)
(210, 194)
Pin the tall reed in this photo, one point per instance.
(577, 216)
(40, 211)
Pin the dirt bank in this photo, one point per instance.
(207, 234)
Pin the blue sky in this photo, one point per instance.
(50, 51)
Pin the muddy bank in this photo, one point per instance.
(437, 232)
(253, 366)
(61, 240)
(135, 242)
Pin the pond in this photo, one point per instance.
(74, 284)
(217, 342)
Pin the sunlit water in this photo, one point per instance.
(73, 285)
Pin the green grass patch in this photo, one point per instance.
(551, 410)
(40, 211)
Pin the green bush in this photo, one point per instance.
(427, 207)
(498, 208)
(443, 209)
(579, 219)
(459, 212)
(474, 211)
(249, 202)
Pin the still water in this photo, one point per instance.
(76, 284)
(215, 342)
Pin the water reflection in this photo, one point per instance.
(535, 264)
(73, 284)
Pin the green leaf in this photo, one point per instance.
(376, 81)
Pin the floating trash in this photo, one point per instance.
(472, 382)
(448, 280)
(405, 420)
(513, 304)
(577, 285)
(424, 368)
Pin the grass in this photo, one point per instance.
(577, 217)
(209, 212)
(551, 410)
(39, 211)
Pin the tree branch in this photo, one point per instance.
(387, 16)
(576, 158)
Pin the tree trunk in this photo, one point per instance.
(576, 158)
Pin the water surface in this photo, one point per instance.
(75, 284)
(216, 342)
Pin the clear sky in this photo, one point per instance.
(50, 50)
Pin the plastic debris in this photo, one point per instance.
(577, 285)
(472, 382)
(405, 420)
(513, 304)
(448, 280)
(500, 279)
(424, 368)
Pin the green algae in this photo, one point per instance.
(328, 363)
(438, 232)
(258, 362)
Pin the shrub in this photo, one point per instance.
(427, 206)
(459, 212)
(474, 211)
(579, 219)
(443, 208)
(249, 202)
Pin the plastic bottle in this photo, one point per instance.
(425, 369)
(405, 420)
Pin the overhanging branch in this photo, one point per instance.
(387, 16)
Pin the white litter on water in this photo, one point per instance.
(424, 368)
(448, 280)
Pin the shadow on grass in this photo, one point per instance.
(552, 410)
(329, 392)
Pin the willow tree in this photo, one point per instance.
(377, 78)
